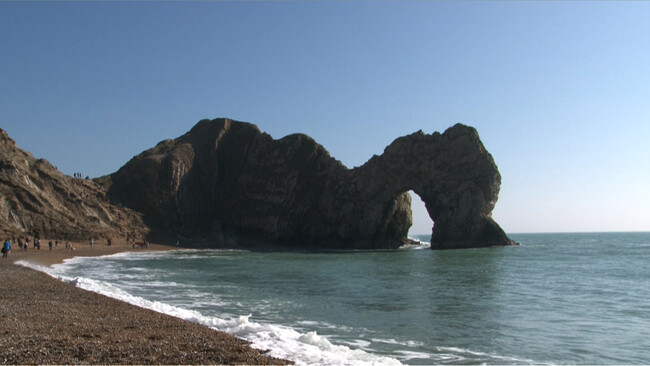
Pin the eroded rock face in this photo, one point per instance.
(37, 200)
(228, 181)
(455, 177)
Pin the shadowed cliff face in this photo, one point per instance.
(228, 181)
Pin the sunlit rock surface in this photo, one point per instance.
(38, 200)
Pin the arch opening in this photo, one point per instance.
(422, 225)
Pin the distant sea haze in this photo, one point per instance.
(557, 298)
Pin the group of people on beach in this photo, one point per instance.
(35, 242)
(23, 245)
(136, 244)
(68, 246)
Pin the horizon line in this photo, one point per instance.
(572, 232)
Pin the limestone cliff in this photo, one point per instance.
(453, 174)
(37, 200)
(230, 182)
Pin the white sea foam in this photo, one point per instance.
(461, 354)
(35, 266)
(410, 355)
(284, 342)
(324, 325)
(396, 342)
(359, 344)
(387, 341)
(419, 244)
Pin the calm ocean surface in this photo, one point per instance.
(558, 299)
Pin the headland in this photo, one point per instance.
(227, 183)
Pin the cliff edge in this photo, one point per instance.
(38, 200)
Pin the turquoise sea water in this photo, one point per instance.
(558, 299)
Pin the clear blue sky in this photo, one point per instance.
(559, 91)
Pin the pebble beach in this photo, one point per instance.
(46, 321)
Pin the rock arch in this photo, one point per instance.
(453, 174)
(230, 182)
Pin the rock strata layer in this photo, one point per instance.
(229, 182)
(37, 200)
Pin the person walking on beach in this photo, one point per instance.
(49, 244)
(92, 243)
(6, 248)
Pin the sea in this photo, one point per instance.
(565, 298)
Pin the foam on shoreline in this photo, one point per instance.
(283, 342)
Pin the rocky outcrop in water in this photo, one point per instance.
(36, 199)
(228, 181)
(453, 174)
